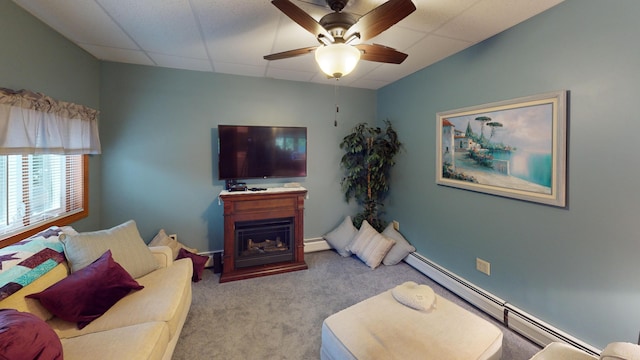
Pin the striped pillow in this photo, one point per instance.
(370, 246)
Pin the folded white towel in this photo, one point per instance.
(419, 297)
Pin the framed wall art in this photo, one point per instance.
(514, 148)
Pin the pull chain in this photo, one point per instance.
(335, 94)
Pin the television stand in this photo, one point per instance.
(263, 232)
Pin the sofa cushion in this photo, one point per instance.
(199, 261)
(89, 292)
(124, 241)
(340, 237)
(136, 342)
(400, 250)
(370, 246)
(25, 336)
(166, 294)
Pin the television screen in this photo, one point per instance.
(249, 152)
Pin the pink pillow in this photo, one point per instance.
(86, 294)
(198, 263)
(26, 336)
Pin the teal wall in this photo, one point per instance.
(36, 58)
(160, 161)
(575, 267)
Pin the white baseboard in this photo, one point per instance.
(513, 318)
(315, 244)
(473, 294)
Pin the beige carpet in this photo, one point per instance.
(280, 316)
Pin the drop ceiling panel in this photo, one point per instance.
(489, 17)
(432, 49)
(80, 21)
(232, 36)
(179, 62)
(368, 83)
(165, 27)
(398, 38)
(299, 63)
(118, 55)
(291, 36)
(239, 69)
(241, 34)
(385, 72)
(288, 74)
(432, 14)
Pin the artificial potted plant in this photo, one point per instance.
(367, 162)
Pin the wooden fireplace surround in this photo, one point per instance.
(274, 203)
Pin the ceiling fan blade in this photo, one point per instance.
(380, 19)
(302, 18)
(290, 53)
(381, 53)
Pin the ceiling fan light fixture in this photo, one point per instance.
(337, 60)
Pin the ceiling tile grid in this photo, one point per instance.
(233, 36)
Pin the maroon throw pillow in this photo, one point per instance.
(26, 336)
(198, 263)
(86, 294)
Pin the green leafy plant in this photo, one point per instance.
(367, 162)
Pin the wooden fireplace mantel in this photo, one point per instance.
(274, 203)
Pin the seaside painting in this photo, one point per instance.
(514, 148)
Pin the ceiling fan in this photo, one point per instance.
(341, 34)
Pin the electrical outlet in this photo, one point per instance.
(396, 225)
(174, 237)
(483, 266)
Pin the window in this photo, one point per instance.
(38, 190)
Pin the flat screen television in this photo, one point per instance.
(252, 152)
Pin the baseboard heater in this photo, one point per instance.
(515, 319)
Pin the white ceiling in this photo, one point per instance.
(232, 36)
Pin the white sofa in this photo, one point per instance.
(145, 324)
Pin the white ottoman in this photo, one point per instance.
(382, 328)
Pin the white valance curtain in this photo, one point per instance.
(33, 123)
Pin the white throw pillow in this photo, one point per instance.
(340, 237)
(124, 241)
(400, 250)
(162, 239)
(419, 297)
(370, 246)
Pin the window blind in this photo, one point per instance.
(37, 188)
